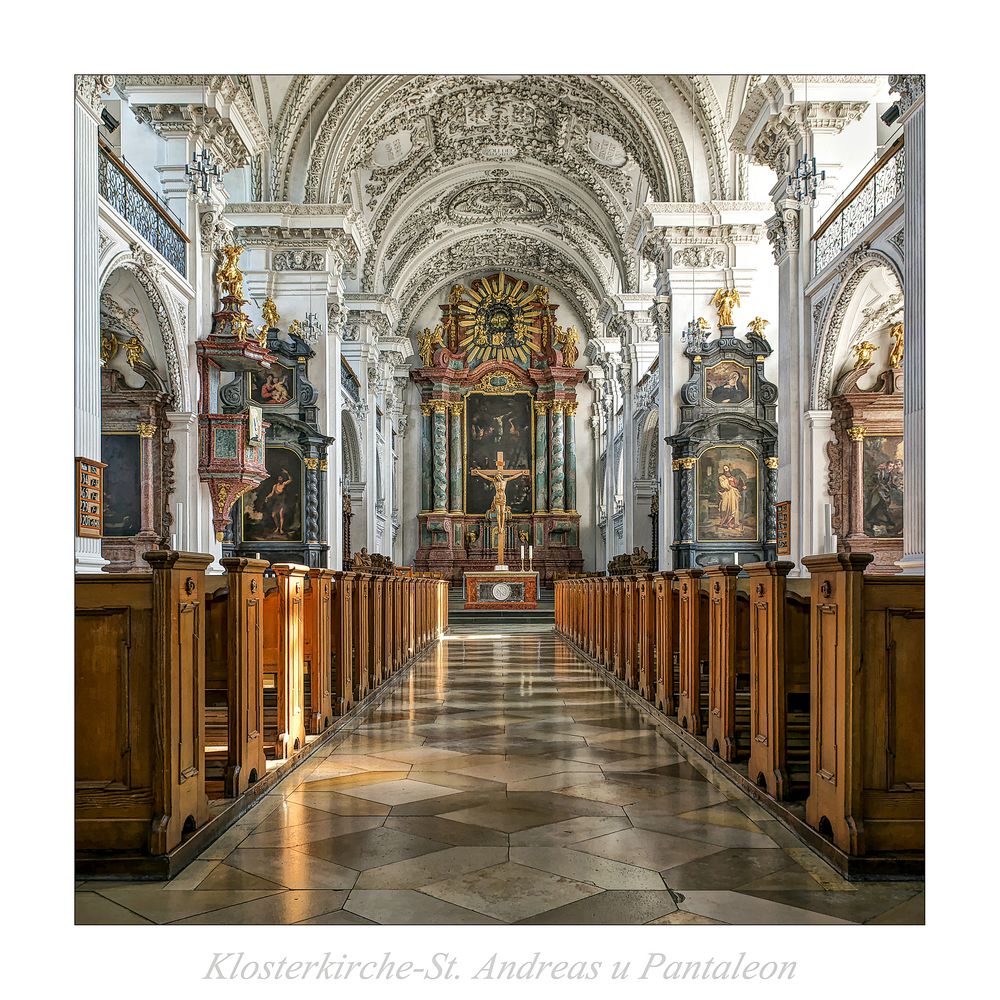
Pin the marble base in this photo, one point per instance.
(501, 589)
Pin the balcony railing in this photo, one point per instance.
(877, 189)
(127, 195)
(349, 381)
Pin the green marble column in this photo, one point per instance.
(570, 411)
(456, 457)
(440, 456)
(557, 459)
(541, 456)
(426, 456)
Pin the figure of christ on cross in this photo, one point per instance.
(499, 477)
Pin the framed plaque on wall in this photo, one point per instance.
(89, 498)
(783, 532)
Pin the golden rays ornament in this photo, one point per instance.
(500, 320)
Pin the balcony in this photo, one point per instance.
(130, 198)
(878, 188)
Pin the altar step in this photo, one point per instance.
(541, 618)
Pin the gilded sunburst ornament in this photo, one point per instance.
(500, 320)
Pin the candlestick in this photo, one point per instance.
(736, 558)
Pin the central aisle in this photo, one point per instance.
(503, 782)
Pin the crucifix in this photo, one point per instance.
(499, 477)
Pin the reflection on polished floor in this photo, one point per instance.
(503, 782)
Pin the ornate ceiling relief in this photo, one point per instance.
(513, 252)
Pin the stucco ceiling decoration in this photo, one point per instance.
(514, 253)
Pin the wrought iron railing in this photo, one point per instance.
(878, 188)
(125, 193)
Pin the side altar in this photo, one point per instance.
(498, 382)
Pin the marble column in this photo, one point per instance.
(426, 456)
(333, 405)
(911, 105)
(87, 315)
(147, 513)
(440, 456)
(570, 456)
(856, 520)
(610, 470)
(457, 463)
(557, 459)
(541, 456)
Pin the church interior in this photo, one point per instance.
(499, 499)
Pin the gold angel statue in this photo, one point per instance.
(896, 354)
(567, 344)
(724, 300)
(270, 314)
(757, 325)
(427, 341)
(229, 274)
(863, 353)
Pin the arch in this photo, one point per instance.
(648, 446)
(166, 322)
(353, 471)
(856, 268)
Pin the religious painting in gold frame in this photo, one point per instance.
(727, 494)
(503, 422)
(727, 383)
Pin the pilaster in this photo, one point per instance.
(86, 291)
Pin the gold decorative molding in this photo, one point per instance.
(857, 433)
(542, 406)
(570, 408)
(684, 463)
(771, 462)
(760, 359)
(323, 465)
(558, 405)
(498, 383)
(146, 430)
(455, 409)
(426, 409)
(312, 464)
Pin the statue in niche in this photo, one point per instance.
(724, 300)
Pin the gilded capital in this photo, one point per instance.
(312, 464)
(857, 433)
(146, 430)
(771, 462)
(426, 409)
(570, 408)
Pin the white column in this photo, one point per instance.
(626, 382)
(664, 470)
(332, 404)
(87, 315)
(911, 104)
(817, 434)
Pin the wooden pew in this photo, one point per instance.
(779, 681)
(343, 634)
(693, 650)
(729, 637)
(866, 791)
(646, 616)
(318, 649)
(666, 641)
(630, 631)
(616, 651)
(284, 654)
(361, 647)
(140, 704)
(376, 632)
(234, 676)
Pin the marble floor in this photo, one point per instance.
(503, 782)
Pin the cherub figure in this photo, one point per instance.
(724, 300)
(757, 325)
(863, 353)
(896, 354)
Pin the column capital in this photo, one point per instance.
(910, 87)
(90, 88)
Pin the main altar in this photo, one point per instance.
(498, 382)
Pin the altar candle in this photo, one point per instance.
(173, 542)
(827, 523)
(257, 555)
(522, 553)
(736, 558)
(530, 551)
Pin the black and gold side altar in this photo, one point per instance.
(498, 375)
(725, 451)
(284, 517)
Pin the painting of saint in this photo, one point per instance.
(122, 485)
(492, 424)
(882, 486)
(727, 494)
(273, 512)
(727, 382)
(274, 388)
